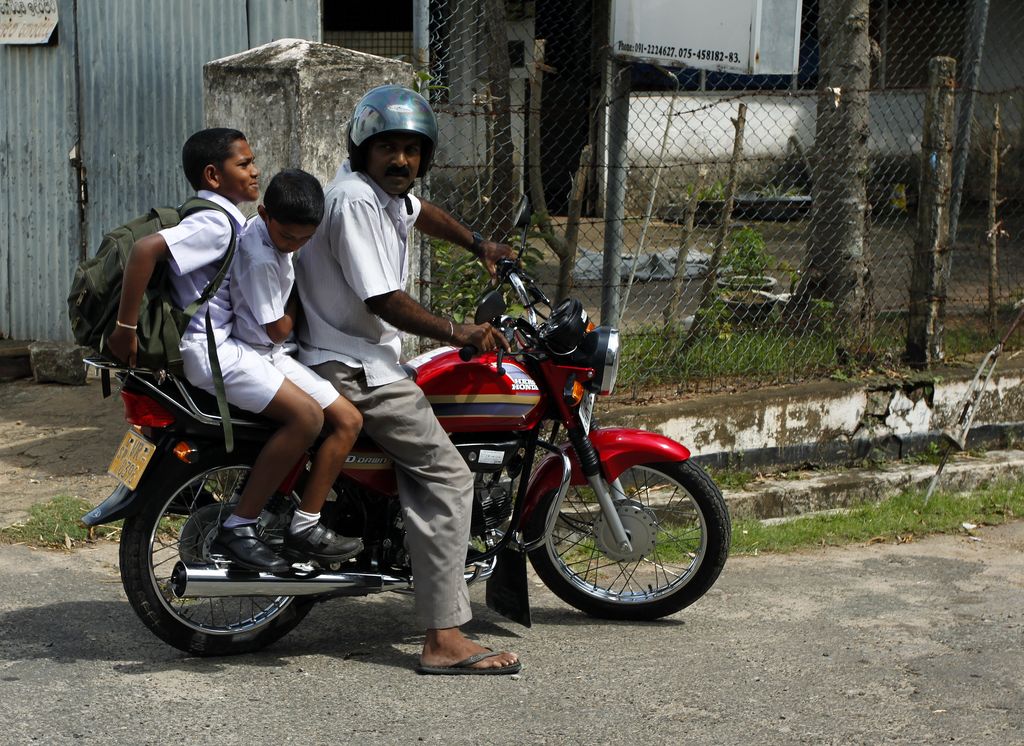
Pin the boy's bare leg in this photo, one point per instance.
(307, 538)
(344, 423)
(301, 420)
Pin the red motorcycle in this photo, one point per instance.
(618, 523)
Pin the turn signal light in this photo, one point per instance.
(142, 411)
(185, 452)
(574, 392)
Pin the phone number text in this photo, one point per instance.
(684, 53)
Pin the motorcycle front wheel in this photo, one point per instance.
(679, 528)
(180, 524)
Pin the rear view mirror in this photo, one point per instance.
(490, 306)
(523, 213)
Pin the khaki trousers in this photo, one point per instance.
(435, 488)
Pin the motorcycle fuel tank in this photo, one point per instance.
(473, 397)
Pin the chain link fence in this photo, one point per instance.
(770, 223)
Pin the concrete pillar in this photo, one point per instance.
(293, 99)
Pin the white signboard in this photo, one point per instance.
(740, 36)
(27, 21)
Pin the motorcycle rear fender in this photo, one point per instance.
(115, 507)
(618, 448)
(165, 471)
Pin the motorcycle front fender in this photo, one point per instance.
(618, 449)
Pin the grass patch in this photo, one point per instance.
(650, 357)
(731, 479)
(772, 351)
(903, 518)
(56, 524)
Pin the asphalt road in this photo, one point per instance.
(914, 643)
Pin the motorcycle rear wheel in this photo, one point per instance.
(178, 525)
(678, 523)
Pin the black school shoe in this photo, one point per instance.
(320, 543)
(244, 547)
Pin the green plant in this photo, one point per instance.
(777, 190)
(717, 318)
(931, 454)
(732, 479)
(747, 253)
(423, 83)
(457, 278)
(711, 193)
(823, 316)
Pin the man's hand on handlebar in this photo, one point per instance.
(491, 252)
(480, 337)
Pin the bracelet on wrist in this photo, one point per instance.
(451, 325)
(121, 324)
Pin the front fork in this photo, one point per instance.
(590, 464)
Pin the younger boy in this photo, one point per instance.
(221, 168)
(262, 281)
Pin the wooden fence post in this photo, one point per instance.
(928, 283)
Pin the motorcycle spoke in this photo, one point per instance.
(575, 523)
(183, 533)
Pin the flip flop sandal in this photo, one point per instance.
(465, 667)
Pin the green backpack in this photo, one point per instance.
(96, 295)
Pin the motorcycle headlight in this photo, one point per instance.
(602, 344)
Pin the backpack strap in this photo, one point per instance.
(189, 207)
(218, 387)
(195, 205)
(167, 215)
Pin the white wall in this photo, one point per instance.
(702, 129)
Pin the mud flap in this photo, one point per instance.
(507, 592)
(111, 509)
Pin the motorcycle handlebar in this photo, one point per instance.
(468, 352)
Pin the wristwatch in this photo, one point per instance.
(477, 240)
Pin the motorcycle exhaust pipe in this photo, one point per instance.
(211, 581)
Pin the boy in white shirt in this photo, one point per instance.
(262, 284)
(221, 168)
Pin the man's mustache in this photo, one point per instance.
(397, 171)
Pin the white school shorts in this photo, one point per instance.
(251, 377)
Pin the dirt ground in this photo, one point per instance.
(55, 440)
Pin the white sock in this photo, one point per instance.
(301, 521)
(235, 520)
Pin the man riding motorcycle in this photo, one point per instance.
(351, 277)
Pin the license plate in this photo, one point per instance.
(587, 410)
(131, 459)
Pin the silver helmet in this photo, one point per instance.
(391, 108)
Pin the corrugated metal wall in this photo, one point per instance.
(39, 236)
(270, 20)
(140, 96)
